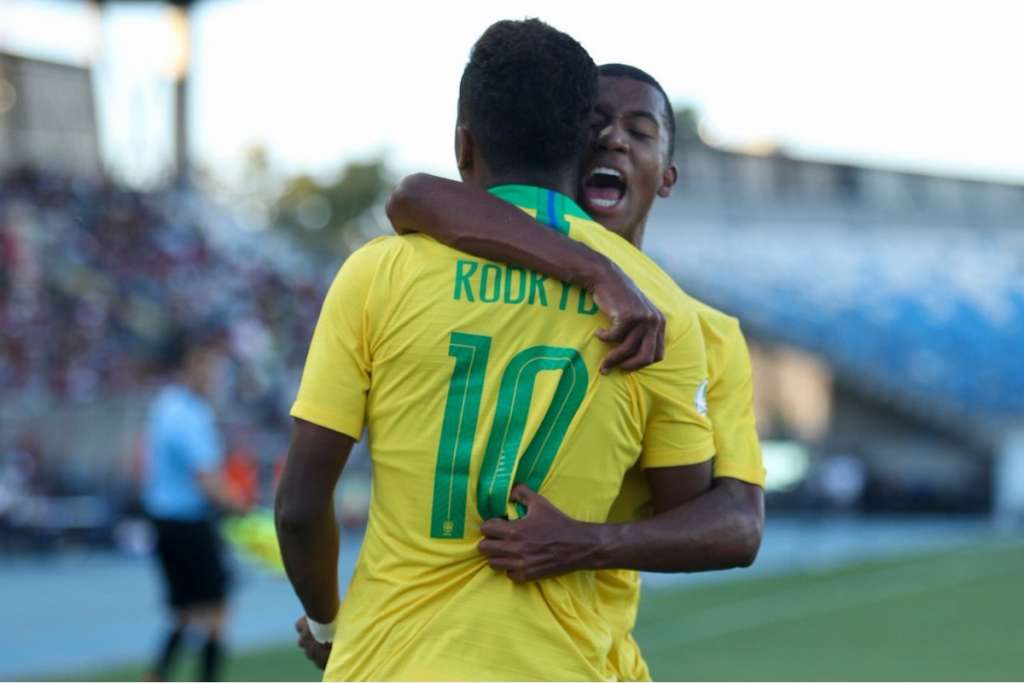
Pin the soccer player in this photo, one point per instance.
(628, 165)
(474, 377)
(184, 489)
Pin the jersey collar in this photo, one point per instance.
(551, 207)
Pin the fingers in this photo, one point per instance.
(502, 557)
(644, 345)
(514, 568)
(494, 549)
(305, 639)
(495, 528)
(616, 332)
(504, 563)
(624, 350)
(318, 654)
(314, 651)
(645, 354)
(521, 493)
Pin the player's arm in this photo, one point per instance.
(546, 542)
(678, 446)
(722, 527)
(329, 411)
(474, 221)
(307, 529)
(693, 529)
(718, 529)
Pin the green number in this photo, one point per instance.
(500, 470)
(451, 478)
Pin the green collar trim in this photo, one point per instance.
(551, 207)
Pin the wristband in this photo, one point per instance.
(322, 633)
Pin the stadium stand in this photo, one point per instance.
(95, 274)
(92, 277)
(902, 313)
(912, 305)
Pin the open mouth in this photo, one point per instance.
(604, 188)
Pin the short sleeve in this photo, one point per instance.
(731, 407)
(336, 377)
(677, 429)
(200, 442)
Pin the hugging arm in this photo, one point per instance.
(699, 529)
(699, 523)
(470, 219)
(717, 529)
(694, 528)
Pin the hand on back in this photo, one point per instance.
(637, 326)
(545, 542)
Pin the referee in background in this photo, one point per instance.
(184, 491)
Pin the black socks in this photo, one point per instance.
(168, 652)
(211, 659)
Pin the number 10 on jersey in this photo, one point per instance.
(500, 469)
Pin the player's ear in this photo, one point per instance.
(463, 149)
(668, 180)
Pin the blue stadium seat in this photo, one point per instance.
(935, 317)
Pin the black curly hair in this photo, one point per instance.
(635, 74)
(526, 95)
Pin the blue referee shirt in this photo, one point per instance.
(182, 441)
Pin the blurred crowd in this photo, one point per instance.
(93, 277)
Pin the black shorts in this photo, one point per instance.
(192, 560)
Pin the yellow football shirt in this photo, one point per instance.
(472, 376)
(730, 401)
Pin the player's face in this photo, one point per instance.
(627, 164)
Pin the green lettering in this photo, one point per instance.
(495, 291)
(462, 278)
(582, 307)
(518, 298)
(458, 429)
(565, 296)
(500, 469)
(537, 291)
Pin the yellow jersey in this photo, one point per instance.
(730, 401)
(472, 376)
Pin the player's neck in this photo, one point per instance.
(636, 235)
(565, 183)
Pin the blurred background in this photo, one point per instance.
(852, 188)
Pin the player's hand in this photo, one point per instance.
(637, 326)
(317, 653)
(545, 542)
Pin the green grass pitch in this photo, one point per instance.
(955, 615)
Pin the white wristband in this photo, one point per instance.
(322, 633)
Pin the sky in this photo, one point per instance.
(923, 86)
